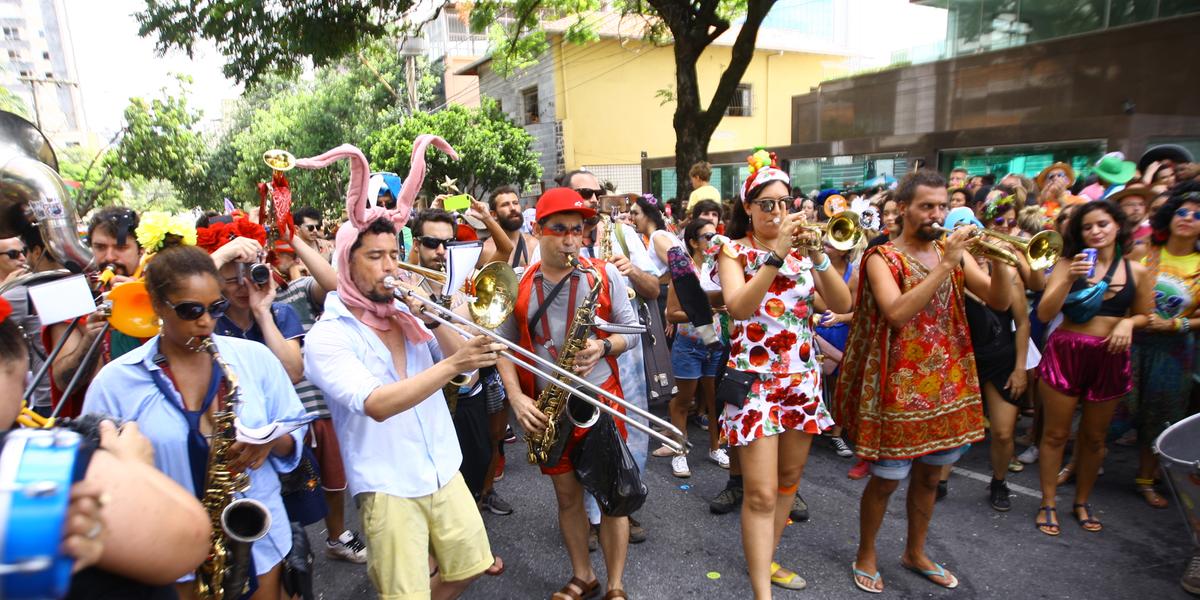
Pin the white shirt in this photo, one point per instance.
(409, 455)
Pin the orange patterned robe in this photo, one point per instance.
(911, 391)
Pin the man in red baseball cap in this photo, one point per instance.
(550, 293)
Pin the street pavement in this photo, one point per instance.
(691, 553)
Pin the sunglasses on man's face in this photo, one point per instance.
(1057, 175)
(588, 194)
(13, 254)
(433, 243)
(190, 310)
(311, 226)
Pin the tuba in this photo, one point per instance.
(236, 522)
(30, 188)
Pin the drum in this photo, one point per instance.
(1179, 451)
(36, 472)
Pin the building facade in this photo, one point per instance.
(35, 43)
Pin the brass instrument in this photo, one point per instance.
(279, 160)
(236, 522)
(842, 232)
(604, 243)
(1041, 251)
(495, 308)
(553, 399)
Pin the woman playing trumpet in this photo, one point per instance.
(771, 417)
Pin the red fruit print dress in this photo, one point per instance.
(777, 343)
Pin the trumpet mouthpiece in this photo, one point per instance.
(389, 281)
(777, 220)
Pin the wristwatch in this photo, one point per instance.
(607, 347)
(773, 261)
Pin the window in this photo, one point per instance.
(14, 55)
(46, 55)
(49, 75)
(739, 105)
(12, 33)
(529, 97)
(24, 73)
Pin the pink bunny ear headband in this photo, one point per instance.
(375, 314)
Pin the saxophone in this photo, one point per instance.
(236, 522)
(546, 447)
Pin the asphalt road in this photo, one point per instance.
(1141, 553)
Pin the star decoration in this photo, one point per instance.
(449, 185)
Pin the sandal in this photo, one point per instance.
(586, 590)
(614, 594)
(855, 572)
(1047, 526)
(936, 571)
(1087, 522)
(1145, 487)
(497, 567)
(791, 581)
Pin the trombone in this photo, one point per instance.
(1041, 251)
(495, 298)
(842, 232)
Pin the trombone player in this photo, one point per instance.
(550, 293)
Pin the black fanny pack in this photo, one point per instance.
(735, 387)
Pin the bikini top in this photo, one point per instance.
(1116, 306)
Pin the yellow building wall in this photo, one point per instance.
(605, 97)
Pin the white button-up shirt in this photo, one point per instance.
(409, 455)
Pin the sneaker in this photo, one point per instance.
(348, 547)
(860, 469)
(637, 533)
(1029, 456)
(679, 466)
(799, 511)
(720, 457)
(493, 503)
(1191, 577)
(841, 447)
(942, 490)
(499, 469)
(593, 537)
(509, 436)
(999, 495)
(663, 452)
(701, 421)
(729, 499)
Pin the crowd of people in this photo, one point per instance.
(857, 317)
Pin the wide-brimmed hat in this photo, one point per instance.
(1061, 166)
(1114, 169)
(1139, 191)
(1172, 152)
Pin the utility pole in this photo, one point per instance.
(33, 91)
(410, 49)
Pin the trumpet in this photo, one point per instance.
(496, 295)
(841, 232)
(1041, 251)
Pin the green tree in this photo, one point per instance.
(492, 150)
(85, 167)
(258, 39)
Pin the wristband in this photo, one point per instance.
(1185, 324)
(824, 266)
(607, 347)
(773, 261)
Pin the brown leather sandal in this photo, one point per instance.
(615, 594)
(585, 590)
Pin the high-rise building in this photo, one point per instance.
(39, 67)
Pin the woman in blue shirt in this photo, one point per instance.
(171, 391)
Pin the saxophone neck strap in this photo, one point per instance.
(197, 444)
(544, 303)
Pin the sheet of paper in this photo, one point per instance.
(267, 433)
(460, 264)
(58, 301)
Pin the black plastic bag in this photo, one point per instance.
(298, 566)
(607, 471)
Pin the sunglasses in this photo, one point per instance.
(1056, 175)
(311, 227)
(588, 194)
(1005, 222)
(1181, 213)
(433, 243)
(560, 230)
(707, 236)
(768, 204)
(190, 310)
(13, 254)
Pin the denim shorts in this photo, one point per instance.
(897, 469)
(691, 359)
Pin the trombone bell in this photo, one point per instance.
(132, 311)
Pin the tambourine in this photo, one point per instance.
(36, 472)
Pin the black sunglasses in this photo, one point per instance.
(311, 227)
(708, 236)
(588, 194)
(432, 243)
(13, 254)
(768, 204)
(190, 310)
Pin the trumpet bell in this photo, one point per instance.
(495, 294)
(279, 160)
(132, 311)
(1043, 250)
(844, 231)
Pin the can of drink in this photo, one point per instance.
(1091, 258)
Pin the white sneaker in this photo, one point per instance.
(679, 467)
(720, 457)
(348, 547)
(841, 447)
(1029, 456)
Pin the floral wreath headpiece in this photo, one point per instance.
(223, 229)
(995, 207)
(764, 168)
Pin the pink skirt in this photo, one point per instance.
(1080, 365)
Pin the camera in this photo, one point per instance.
(258, 273)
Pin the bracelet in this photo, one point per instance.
(1185, 324)
(824, 266)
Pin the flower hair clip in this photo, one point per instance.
(651, 199)
(156, 228)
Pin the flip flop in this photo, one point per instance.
(937, 571)
(856, 573)
(497, 567)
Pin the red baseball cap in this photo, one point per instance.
(562, 199)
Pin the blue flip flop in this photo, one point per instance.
(860, 573)
(937, 571)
